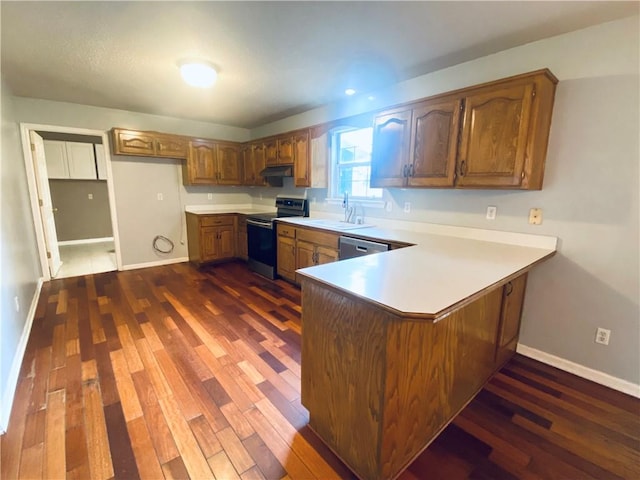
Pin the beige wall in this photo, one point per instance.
(589, 199)
(19, 265)
(78, 217)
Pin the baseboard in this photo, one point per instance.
(157, 263)
(12, 380)
(596, 376)
(85, 241)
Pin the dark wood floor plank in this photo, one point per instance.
(180, 372)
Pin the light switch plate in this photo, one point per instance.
(160, 196)
(491, 212)
(407, 207)
(90, 196)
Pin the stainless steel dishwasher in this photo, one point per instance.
(354, 247)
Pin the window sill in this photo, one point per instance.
(364, 202)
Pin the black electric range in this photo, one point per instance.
(261, 234)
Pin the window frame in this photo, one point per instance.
(333, 193)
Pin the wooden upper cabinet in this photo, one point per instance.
(171, 146)
(494, 137)
(391, 142)
(259, 162)
(149, 144)
(285, 150)
(132, 142)
(271, 151)
(434, 137)
(301, 159)
(252, 155)
(200, 167)
(228, 164)
(212, 163)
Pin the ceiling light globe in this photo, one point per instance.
(198, 74)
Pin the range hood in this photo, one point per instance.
(277, 171)
(275, 175)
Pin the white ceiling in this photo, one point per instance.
(275, 58)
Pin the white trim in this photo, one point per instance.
(14, 372)
(86, 240)
(596, 376)
(33, 190)
(157, 263)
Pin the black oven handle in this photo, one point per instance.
(260, 224)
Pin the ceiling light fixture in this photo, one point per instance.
(198, 73)
(349, 91)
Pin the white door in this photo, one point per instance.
(44, 198)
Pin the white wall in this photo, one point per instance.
(19, 265)
(138, 180)
(589, 198)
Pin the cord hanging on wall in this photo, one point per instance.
(162, 244)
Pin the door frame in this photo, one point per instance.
(33, 190)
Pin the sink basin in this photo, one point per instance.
(338, 225)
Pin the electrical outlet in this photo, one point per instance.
(209, 196)
(535, 216)
(491, 212)
(90, 196)
(602, 336)
(389, 206)
(160, 196)
(16, 302)
(407, 207)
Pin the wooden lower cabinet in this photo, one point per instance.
(286, 255)
(300, 247)
(242, 243)
(211, 237)
(380, 385)
(509, 329)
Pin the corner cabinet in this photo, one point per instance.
(490, 136)
(212, 163)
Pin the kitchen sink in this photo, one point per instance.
(338, 224)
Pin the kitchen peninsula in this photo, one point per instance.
(396, 344)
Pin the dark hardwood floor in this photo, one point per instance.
(174, 372)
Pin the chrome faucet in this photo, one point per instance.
(348, 211)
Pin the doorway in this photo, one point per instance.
(72, 198)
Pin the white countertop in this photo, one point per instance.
(219, 209)
(447, 266)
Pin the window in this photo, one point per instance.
(351, 163)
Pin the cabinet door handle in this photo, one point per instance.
(404, 170)
(411, 170)
(463, 168)
(508, 289)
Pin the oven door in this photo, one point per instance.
(261, 242)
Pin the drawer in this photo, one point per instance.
(319, 238)
(216, 220)
(286, 231)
